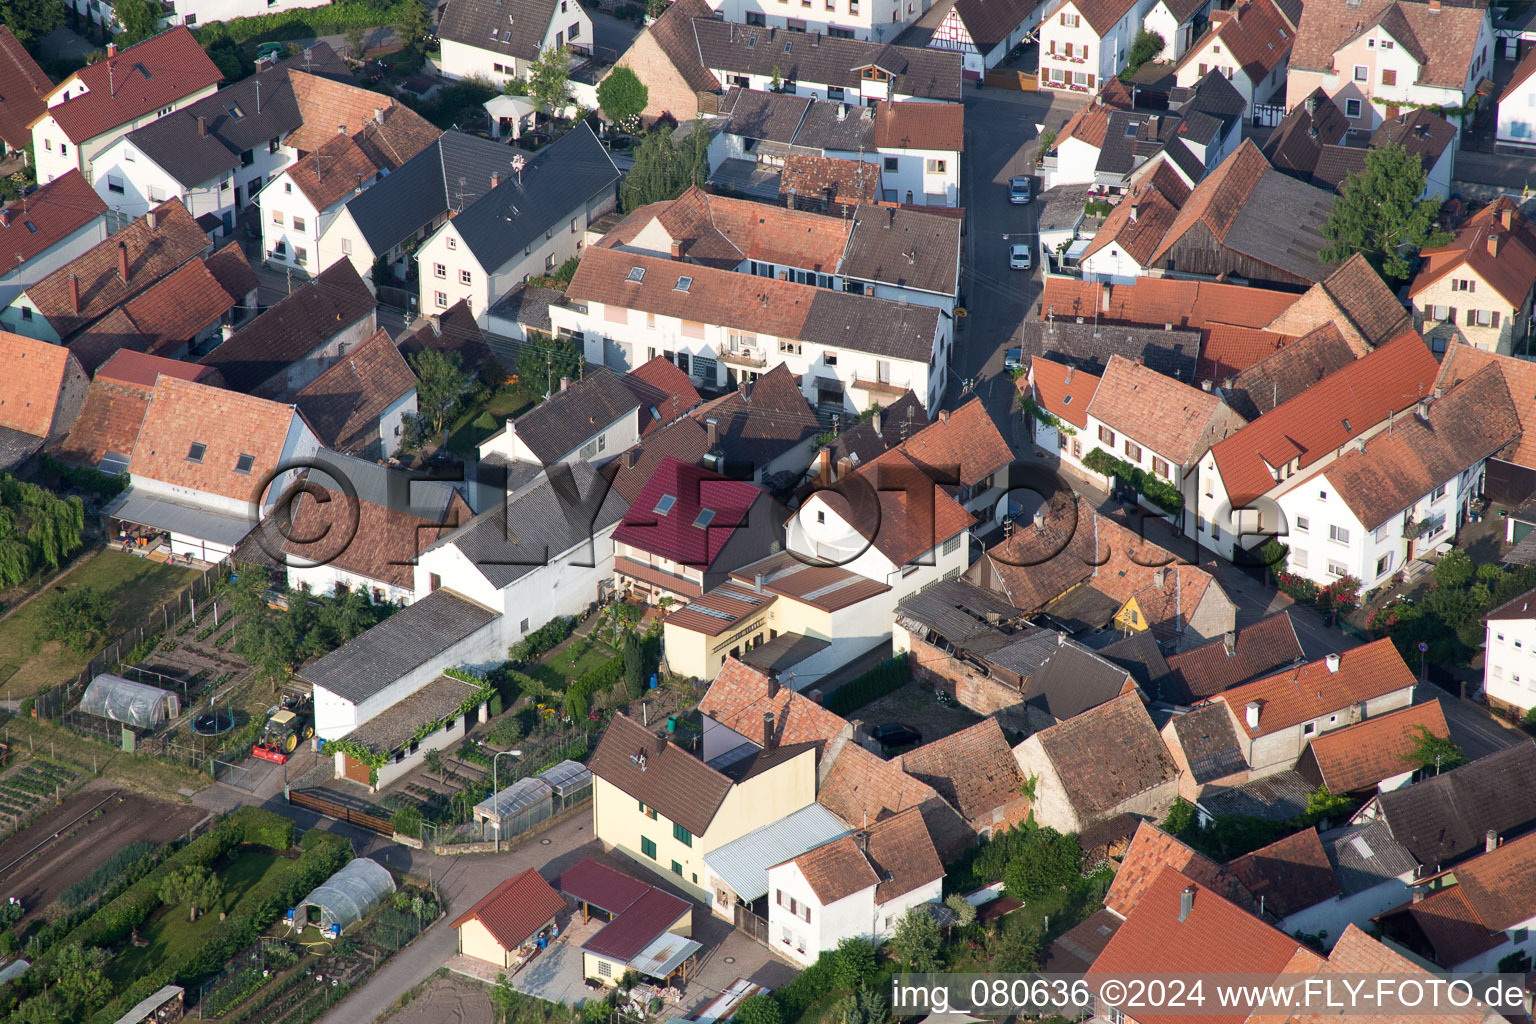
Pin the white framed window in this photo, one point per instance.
(1298, 559)
(440, 270)
(1338, 534)
(1362, 73)
(441, 298)
(1337, 568)
(1303, 524)
(346, 247)
(299, 223)
(465, 277)
(301, 255)
(277, 216)
(1384, 564)
(453, 243)
(936, 166)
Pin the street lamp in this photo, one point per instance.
(495, 789)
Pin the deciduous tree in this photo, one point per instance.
(440, 380)
(916, 941)
(622, 97)
(139, 18)
(549, 79)
(194, 887)
(77, 617)
(1380, 215)
(30, 20)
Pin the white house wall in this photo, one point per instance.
(130, 182)
(881, 20)
(1509, 662)
(460, 60)
(55, 155)
(18, 279)
(1336, 913)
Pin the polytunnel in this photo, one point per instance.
(348, 895)
(123, 700)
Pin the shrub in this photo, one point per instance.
(544, 638)
(760, 1009)
(407, 821)
(1045, 860)
(1150, 486)
(854, 962)
(334, 18)
(887, 677)
(506, 732)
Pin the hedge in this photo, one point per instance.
(545, 638)
(1150, 486)
(578, 696)
(886, 677)
(333, 19)
(323, 854)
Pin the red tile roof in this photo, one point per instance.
(1151, 851)
(893, 504)
(142, 369)
(1139, 221)
(227, 424)
(600, 885)
(1325, 416)
(916, 125)
(974, 769)
(1289, 874)
(54, 212)
(1169, 417)
(896, 857)
(1309, 691)
(163, 318)
(1256, 35)
(675, 532)
(360, 537)
(1107, 755)
(1215, 202)
(740, 696)
(1363, 754)
(1442, 40)
(661, 386)
(1061, 390)
(1500, 885)
(1157, 301)
(516, 909)
(837, 870)
(113, 412)
(1463, 361)
(965, 442)
(140, 80)
(1357, 954)
(345, 402)
(23, 86)
(1497, 244)
(35, 375)
(1228, 351)
(1216, 937)
(1257, 649)
(1454, 928)
(152, 254)
(862, 788)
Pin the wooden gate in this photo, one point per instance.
(331, 809)
(1019, 81)
(1267, 116)
(751, 924)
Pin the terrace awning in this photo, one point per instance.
(663, 956)
(142, 509)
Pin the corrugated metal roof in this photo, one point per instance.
(743, 863)
(522, 794)
(665, 955)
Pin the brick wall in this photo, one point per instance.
(668, 91)
(971, 688)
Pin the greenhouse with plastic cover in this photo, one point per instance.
(346, 897)
(123, 700)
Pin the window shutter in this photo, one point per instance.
(807, 910)
(1495, 318)
(778, 896)
(1451, 315)
(1471, 317)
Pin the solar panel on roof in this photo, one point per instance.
(829, 588)
(714, 612)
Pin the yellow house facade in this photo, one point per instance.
(664, 808)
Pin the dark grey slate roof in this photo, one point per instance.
(908, 248)
(406, 640)
(1277, 797)
(529, 307)
(957, 610)
(240, 117)
(1139, 655)
(784, 652)
(449, 175)
(1444, 818)
(1073, 680)
(16, 447)
(1083, 608)
(565, 419)
(765, 116)
(749, 50)
(562, 176)
(1087, 346)
(1280, 224)
(519, 25)
(562, 508)
(397, 489)
(839, 126)
(862, 443)
(1365, 855)
(880, 326)
(295, 327)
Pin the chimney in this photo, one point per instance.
(122, 261)
(495, 180)
(1434, 6)
(875, 420)
(1418, 895)
(1251, 714)
(767, 730)
(378, 115)
(757, 583)
(111, 50)
(1311, 104)
(1160, 577)
(677, 250)
(565, 383)
(862, 839)
(358, 190)
(713, 425)
(773, 685)
(1490, 840)
(1186, 901)
(661, 742)
(826, 465)
(632, 458)
(1061, 639)
(844, 467)
(1493, 245)
(5, 218)
(1104, 298)
(202, 126)
(1205, 385)
(943, 415)
(1229, 641)
(1333, 662)
(74, 293)
(1135, 212)
(1507, 218)
(152, 219)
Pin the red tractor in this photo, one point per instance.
(288, 724)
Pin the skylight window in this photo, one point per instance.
(196, 452)
(244, 463)
(31, 227)
(636, 274)
(655, 413)
(751, 41)
(665, 504)
(706, 516)
(683, 284)
(788, 46)
(235, 113)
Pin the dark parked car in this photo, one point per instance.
(894, 734)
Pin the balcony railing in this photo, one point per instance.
(867, 383)
(745, 357)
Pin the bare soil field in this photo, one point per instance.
(450, 1000)
(63, 846)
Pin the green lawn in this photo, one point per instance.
(465, 433)
(169, 931)
(136, 586)
(579, 657)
